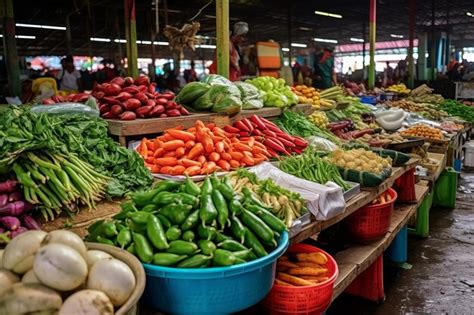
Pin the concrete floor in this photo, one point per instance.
(441, 280)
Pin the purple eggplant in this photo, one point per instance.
(15, 196)
(8, 186)
(3, 200)
(16, 208)
(13, 234)
(10, 223)
(30, 223)
(2, 230)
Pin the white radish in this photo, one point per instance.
(26, 298)
(1, 256)
(67, 238)
(87, 302)
(30, 277)
(7, 279)
(114, 278)
(19, 254)
(93, 256)
(60, 267)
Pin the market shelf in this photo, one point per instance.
(356, 259)
(363, 198)
(442, 159)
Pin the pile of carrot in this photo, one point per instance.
(200, 150)
(382, 198)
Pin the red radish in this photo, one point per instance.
(99, 87)
(116, 110)
(110, 100)
(168, 95)
(150, 103)
(104, 108)
(48, 101)
(58, 98)
(108, 115)
(142, 80)
(30, 223)
(143, 111)
(152, 87)
(3, 200)
(132, 104)
(132, 89)
(142, 88)
(112, 89)
(99, 94)
(13, 234)
(141, 97)
(183, 111)
(128, 115)
(8, 186)
(81, 97)
(118, 80)
(15, 196)
(157, 110)
(123, 96)
(128, 81)
(69, 97)
(171, 105)
(10, 223)
(163, 116)
(173, 112)
(161, 101)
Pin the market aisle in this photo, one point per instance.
(442, 277)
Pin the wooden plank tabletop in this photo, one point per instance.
(356, 259)
(433, 176)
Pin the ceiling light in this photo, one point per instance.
(325, 40)
(359, 40)
(285, 49)
(49, 27)
(333, 15)
(469, 14)
(206, 46)
(100, 39)
(120, 40)
(23, 36)
(298, 45)
(161, 43)
(396, 36)
(145, 42)
(305, 28)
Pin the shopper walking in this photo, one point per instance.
(325, 75)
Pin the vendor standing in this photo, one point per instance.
(325, 75)
(238, 36)
(69, 78)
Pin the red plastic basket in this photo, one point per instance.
(371, 222)
(303, 300)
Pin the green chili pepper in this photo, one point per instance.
(237, 229)
(188, 236)
(252, 242)
(207, 247)
(223, 257)
(236, 207)
(206, 188)
(165, 197)
(109, 230)
(139, 217)
(257, 226)
(127, 207)
(192, 188)
(195, 261)
(231, 245)
(191, 221)
(221, 206)
(177, 213)
(136, 227)
(131, 249)
(221, 237)
(120, 226)
(156, 233)
(180, 247)
(96, 227)
(207, 211)
(188, 199)
(173, 233)
(167, 185)
(206, 232)
(143, 248)
(272, 244)
(271, 220)
(167, 259)
(143, 198)
(214, 180)
(226, 191)
(150, 208)
(104, 240)
(164, 220)
(243, 254)
(124, 237)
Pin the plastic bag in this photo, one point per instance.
(248, 91)
(66, 109)
(216, 79)
(252, 104)
(229, 105)
(321, 144)
(323, 201)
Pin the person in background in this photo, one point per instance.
(388, 75)
(69, 78)
(325, 75)
(190, 74)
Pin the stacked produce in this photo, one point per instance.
(382, 198)
(40, 270)
(398, 88)
(345, 130)
(457, 109)
(23, 131)
(330, 98)
(14, 217)
(250, 95)
(319, 119)
(310, 166)
(423, 94)
(283, 203)
(450, 126)
(424, 131)
(187, 226)
(70, 98)
(200, 150)
(302, 269)
(274, 91)
(266, 132)
(382, 139)
(360, 160)
(307, 95)
(426, 110)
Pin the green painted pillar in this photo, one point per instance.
(131, 37)
(9, 44)
(372, 33)
(411, 38)
(222, 30)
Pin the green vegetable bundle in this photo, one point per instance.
(22, 131)
(310, 166)
(190, 226)
(457, 109)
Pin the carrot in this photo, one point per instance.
(166, 169)
(197, 150)
(199, 123)
(236, 155)
(150, 153)
(201, 159)
(260, 145)
(155, 169)
(159, 152)
(257, 150)
(241, 147)
(223, 164)
(182, 135)
(180, 152)
(178, 127)
(192, 130)
(251, 142)
(192, 170)
(211, 125)
(178, 170)
(247, 153)
(234, 163)
(173, 145)
(208, 144)
(248, 160)
(166, 161)
(167, 137)
(214, 156)
(208, 168)
(144, 148)
(234, 140)
(150, 159)
(170, 154)
(188, 163)
(226, 156)
(160, 138)
(220, 147)
(258, 160)
(189, 144)
(150, 145)
(217, 130)
(217, 138)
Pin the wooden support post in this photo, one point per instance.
(131, 37)
(433, 42)
(9, 44)
(222, 30)
(364, 27)
(289, 33)
(411, 38)
(372, 35)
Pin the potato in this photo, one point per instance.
(24, 298)
(19, 254)
(93, 256)
(67, 238)
(30, 277)
(87, 302)
(7, 279)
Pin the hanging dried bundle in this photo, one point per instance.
(184, 37)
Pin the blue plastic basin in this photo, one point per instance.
(215, 290)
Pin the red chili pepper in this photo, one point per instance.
(287, 143)
(300, 142)
(273, 128)
(256, 132)
(256, 120)
(284, 135)
(244, 134)
(269, 133)
(248, 124)
(231, 129)
(272, 152)
(241, 126)
(298, 150)
(268, 122)
(272, 144)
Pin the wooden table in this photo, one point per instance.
(433, 176)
